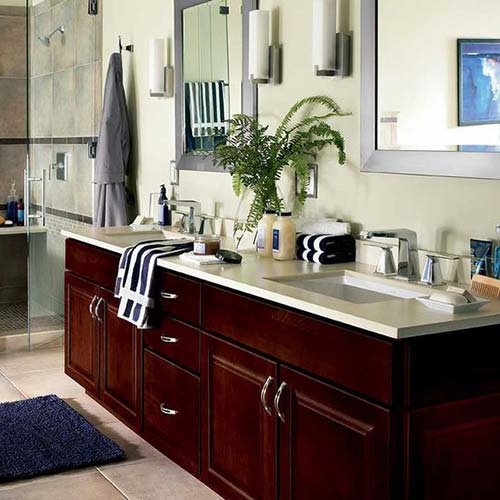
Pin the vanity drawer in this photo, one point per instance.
(92, 263)
(351, 359)
(175, 341)
(180, 297)
(171, 411)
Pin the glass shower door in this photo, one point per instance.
(13, 153)
(64, 114)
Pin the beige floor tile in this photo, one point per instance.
(85, 486)
(158, 479)
(8, 392)
(52, 381)
(36, 361)
(91, 410)
(135, 448)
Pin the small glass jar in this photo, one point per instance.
(206, 244)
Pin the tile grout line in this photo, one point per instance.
(112, 483)
(25, 396)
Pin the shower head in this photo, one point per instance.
(45, 40)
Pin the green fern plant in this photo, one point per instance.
(256, 159)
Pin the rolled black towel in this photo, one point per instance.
(327, 243)
(326, 258)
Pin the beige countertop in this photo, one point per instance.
(397, 318)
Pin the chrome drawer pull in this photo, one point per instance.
(101, 300)
(263, 396)
(169, 296)
(91, 307)
(277, 400)
(169, 340)
(167, 411)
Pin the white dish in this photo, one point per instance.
(452, 308)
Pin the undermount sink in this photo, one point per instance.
(353, 287)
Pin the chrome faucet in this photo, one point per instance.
(194, 212)
(408, 250)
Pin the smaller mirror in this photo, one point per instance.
(212, 76)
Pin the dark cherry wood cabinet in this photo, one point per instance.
(120, 362)
(81, 333)
(238, 434)
(171, 411)
(103, 352)
(454, 451)
(268, 403)
(332, 445)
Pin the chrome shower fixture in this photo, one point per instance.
(45, 40)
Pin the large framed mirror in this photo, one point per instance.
(212, 84)
(430, 87)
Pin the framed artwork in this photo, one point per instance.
(478, 81)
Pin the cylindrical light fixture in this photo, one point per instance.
(157, 67)
(325, 37)
(258, 46)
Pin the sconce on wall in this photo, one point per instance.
(264, 60)
(332, 51)
(161, 77)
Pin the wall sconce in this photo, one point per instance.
(331, 50)
(264, 61)
(161, 77)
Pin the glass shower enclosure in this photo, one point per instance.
(50, 102)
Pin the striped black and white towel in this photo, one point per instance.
(208, 108)
(325, 258)
(134, 282)
(326, 242)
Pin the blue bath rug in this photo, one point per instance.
(45, 435)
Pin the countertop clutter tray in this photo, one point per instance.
(453, 308)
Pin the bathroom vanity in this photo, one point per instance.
(264, 390)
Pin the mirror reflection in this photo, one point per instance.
(212, 57)
(438, 75)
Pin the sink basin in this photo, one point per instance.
(353, 287)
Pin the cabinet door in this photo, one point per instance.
(81, 333)
(120, 387)
(332, 445)
(238, 436)
(455, 451)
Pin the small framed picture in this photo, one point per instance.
(312, 188)
(478, 81)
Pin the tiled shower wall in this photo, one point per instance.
(13, 74)
(65, 104)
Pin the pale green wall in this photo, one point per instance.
(444, 211)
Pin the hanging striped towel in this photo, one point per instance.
(134, 282)
(208, 108)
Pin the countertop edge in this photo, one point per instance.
(367, 325)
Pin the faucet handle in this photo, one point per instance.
(386, 264)
(432, 274)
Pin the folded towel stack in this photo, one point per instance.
(332, 227)
(326, 248)
(134, 283)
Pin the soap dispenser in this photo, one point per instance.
(163, 210)
(12, 203)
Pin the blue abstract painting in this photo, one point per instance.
(479, 82)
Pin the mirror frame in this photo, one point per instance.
(249, 103)
(436, 163)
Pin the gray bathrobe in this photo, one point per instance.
(113, 151)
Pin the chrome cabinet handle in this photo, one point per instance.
(169, 340)
(101, 300)
(277, 400)
(91, 307)
(168, 411)
(263, 396)
(169, 296)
